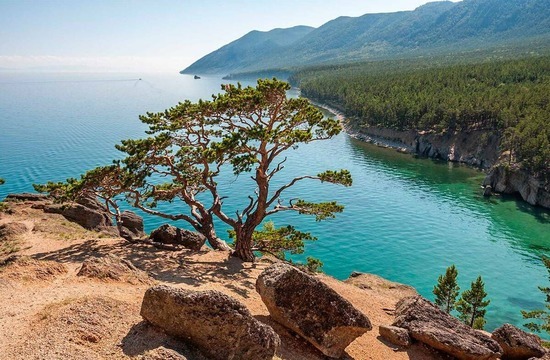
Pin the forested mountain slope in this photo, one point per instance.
(435, 28)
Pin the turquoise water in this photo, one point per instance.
(406, 219)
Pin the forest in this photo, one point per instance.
(511, 97)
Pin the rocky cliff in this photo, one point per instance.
(508, 180)
(478, 148)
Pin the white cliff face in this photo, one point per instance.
(476, 148)
(479, 148)
(511, 181)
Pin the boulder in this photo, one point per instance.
(26, 197)
(131, 225)
(310, 308)
(87, 212)
(395, 335)
(162, 353)
(518, 344)
(168, 234)
(434, 327)
(220, 326)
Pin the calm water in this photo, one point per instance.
(406, 219)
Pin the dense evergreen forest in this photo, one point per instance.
(511, 97)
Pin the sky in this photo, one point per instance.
(151, 35)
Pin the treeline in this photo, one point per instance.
(512, 97)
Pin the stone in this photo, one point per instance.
(131, 225)
(87, 212)
(432, 326)
(395, 335)
(26, 197)
(168, 234)
(487, 190)
(219, 325)
(518, 344)
(162, 353)
(310, 308)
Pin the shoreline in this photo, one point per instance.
(462, 148)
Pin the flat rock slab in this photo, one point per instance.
(219, 325)
(310, 308)
(87, 212)
(434, 327)
(518, 344)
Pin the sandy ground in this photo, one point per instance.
(48, 312)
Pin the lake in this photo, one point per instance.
(406, 219)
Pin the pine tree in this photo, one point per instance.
(471, 305)
(541, 316)
(447, 289)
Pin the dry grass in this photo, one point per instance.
(28, 269)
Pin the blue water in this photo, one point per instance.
(406, 219)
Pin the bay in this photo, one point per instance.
(406, 219)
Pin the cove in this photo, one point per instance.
(406, 219)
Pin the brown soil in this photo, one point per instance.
(48, 312)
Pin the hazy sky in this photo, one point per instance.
(151, 35)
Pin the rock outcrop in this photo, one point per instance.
(395, 335)
(131, 225)
(168, 234)
(374, 282)
(432, 326)
(518, 344)
(87, 212)
(507, 180)
(217, 324)
(310, 308)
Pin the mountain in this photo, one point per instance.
(437, 27)
(242, 53)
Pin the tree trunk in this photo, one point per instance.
(218, 244)
(210, 234)
(243, 245)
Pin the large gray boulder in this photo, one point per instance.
(86, 211)
(310, 308)
(434, 327)
(220, 326)
(168, 234)
(518, 344)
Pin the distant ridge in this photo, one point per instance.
(437, 27)
(242, 53)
